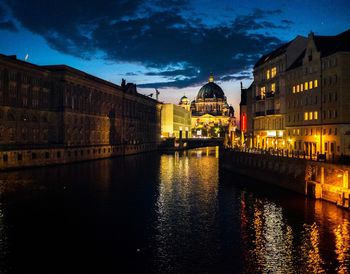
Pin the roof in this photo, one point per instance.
(273, 54)
(328, 45)
(298, 62)
(210, 90)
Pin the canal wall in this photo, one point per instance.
(21, 158)
(315, 179)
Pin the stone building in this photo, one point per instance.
(269, 94)
(175, 121)
(57, 114)
(318, 97)
(246, 115)
(211, 114)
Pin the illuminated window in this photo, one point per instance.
(306, 86)
(273, 87)
(273, 72)
(315, 115)
(298, 131)
(310, 84)
(293, 89)
(301, 87)
(268, 74)
(262, 91)
(315, 83)
(298, 88)
(310, 115)
(306, 116)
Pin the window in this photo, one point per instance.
(315, 83)
(326, 146)
(324, 131)
(330, 131)
(268, 74)
(306, 116)
(273, 72)
(310, 85)
(310, 115)
(301, 87)
(335, 131)
(306, 86)
(293, 89)
(273, 87)
(315, 115)
(298, 88)
(262, 92)
(335, 113)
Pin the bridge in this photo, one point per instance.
(172, 144)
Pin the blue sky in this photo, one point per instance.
(170, 45)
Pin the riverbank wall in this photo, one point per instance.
(22, 158)
(315, 179)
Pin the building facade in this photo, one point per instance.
(269, 97)
(211, 115)
(57, 114)
(318, 106)
(175, 121)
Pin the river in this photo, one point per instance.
(170, 213)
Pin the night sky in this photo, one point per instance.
(170, 45)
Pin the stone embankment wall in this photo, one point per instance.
(319, 180)
(20, 158)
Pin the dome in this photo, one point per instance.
(184, 99)
(211, 90)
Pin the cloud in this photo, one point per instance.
(180, 49)
(8, 25)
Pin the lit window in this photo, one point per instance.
(268, 74)
(306, 86)
(310, 115)
(262, 92)
(273, 72)
(293, 89)
(273, 87)
(306, 116)
(315, 83)
(315, 115)
(298, 131)
(310, 84)
(301, 87)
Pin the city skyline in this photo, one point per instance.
(172, 45)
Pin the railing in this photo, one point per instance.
(259, 113)
(272, 111)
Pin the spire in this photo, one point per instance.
(211, 78)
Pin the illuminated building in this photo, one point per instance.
(317, 99)
(211, 114)
(185, 103)
(58, 114)
(269, 94)
(175, 121)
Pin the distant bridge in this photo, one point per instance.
(171, 144)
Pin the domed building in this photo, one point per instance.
(185, 103)
(211, 115)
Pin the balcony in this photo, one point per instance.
(259, 113)
(273, 111)
(259, 98)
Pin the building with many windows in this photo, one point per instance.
(175, 121)
(318, 97)
(56, 114)
(269, 94)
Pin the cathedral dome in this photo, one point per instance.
(210, 91)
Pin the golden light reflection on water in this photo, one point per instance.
(342, 243)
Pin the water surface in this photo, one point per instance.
(174, 213)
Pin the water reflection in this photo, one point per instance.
(175, 213)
